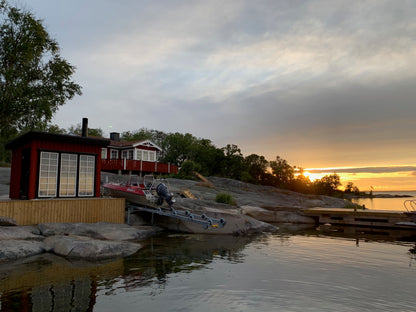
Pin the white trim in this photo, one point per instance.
(147, 143)
(111, 153)
(104, 151)
(47, 176)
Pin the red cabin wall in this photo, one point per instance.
(36, 146)
(15, 174)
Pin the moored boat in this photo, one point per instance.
(146, 191)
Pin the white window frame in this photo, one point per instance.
(127, 154)
(86, 179)
(103, 153)
(48, 174)
(68, 175)
(146, 155)
(112, 152)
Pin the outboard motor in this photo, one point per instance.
(163, 193)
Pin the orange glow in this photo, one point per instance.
(314, 176)
(366, 181)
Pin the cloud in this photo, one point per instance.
(386, 169)
(316, 82)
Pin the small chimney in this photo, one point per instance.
(115, 136)
(84, 127)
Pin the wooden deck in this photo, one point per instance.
(371, 218)
(74, 210)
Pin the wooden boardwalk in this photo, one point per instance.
(369, 218)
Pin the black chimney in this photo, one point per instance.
(115, 136)
(84, 127)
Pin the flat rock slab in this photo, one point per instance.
(86, 248)
(14, 249)
(19, 232)
(288, 215)
(101, 230)
(236, 223)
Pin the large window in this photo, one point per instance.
(86, 175)
(145, 155)
(127, 154)
(48, 174)
(113, 154)
(68, 175)
(104, 153)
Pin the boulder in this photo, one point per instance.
(86, 248)
(7, 221)
(277, 215)
(19, 232)
(100, 230)
(12, 249)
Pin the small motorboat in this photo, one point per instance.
(148, 194)
(146, 191)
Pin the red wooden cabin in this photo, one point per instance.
(46, 165)
(133, 157)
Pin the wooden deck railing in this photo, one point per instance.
(137, 165)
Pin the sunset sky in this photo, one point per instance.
(322, 84)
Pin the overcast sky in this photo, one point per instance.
(321, 83)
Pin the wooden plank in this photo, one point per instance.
(91, 210)
(344, 216)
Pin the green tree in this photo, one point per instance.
(283, 172)
(177, 148)
(350, 188)
(257, 167)
(34, 79)
(232, 164)
(301, 183)
(98, 132)
(327, 185)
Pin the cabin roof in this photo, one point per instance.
(132, 144)
(63, 138)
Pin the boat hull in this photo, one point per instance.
(131, 194)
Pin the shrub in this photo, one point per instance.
(225, 198)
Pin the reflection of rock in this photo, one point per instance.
(87, 248)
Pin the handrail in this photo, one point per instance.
(410, 205)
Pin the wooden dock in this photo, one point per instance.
(365, 218)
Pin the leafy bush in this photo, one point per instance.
(225, 198)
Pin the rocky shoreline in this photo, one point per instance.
(256, 207)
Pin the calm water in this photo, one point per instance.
(293, 270)
(386, 203)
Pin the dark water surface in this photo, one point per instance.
(293, 270)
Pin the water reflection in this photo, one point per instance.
(51, 283)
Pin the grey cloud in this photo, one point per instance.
(284, 75)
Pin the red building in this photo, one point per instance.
(46, 165)
(133, 157)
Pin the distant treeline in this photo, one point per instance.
(201, 155)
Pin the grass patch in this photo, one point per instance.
(225, 198)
